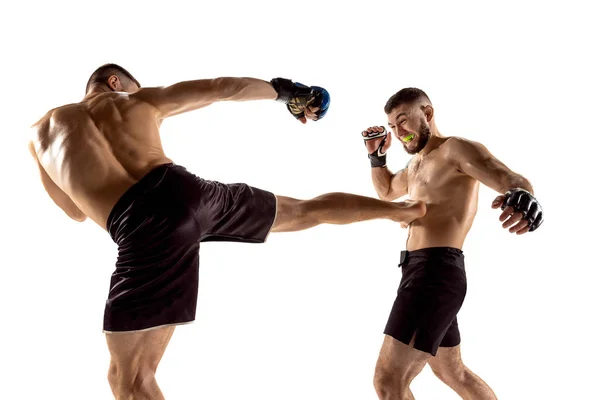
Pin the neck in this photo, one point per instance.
(435, 140)
(98, 89)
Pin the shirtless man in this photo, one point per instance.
(444, 173)
(102, 158)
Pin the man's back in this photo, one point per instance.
(90, 153)
(95, 150)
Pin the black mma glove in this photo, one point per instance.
(523, 201)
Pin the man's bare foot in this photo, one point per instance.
(409, 211)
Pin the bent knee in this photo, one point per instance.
(112, 374)
(387, 381)
(130, 381)
(455, 373)
(382, 381)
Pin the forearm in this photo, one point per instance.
(65, 203)
(75, 214)
(60, 198)
(382, 179)
(513, 181)
(244, 89)
(192, 95)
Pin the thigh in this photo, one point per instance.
(235, 212)
(399, 360)
(288, 215)
(133, 353)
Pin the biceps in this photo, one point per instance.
(399, 185)
(489, 171)
(181, 97)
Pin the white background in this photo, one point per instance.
(301, 317)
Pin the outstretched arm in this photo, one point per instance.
(523, 211)
(475, 160)
(192, 95)
(59, 197)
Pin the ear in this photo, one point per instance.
(114, 83)
(428, 111)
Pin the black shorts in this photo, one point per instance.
(158, 225)
(431, 292)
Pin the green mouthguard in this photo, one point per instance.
(408, 138)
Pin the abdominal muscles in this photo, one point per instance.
(449, 217)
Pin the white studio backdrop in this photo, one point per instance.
(302, 316)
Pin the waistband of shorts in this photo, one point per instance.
(430, 252)
(148, 181)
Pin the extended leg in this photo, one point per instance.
(340, 209)
(134, 358)
(447, 365)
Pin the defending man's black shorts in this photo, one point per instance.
(431, 292)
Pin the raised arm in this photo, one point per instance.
(192, 95)
(303, 102)
(389, 186)
(475, 160)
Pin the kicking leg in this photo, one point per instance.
(447, 365)
(134, 358)
(340, 209)
(397, 366)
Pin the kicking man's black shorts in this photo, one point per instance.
(431, 292)
(158, 225)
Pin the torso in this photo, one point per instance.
(97, 149)
(450, 195)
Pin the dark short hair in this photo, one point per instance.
(404, 96)
(104, 72)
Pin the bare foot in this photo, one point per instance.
(409, 211)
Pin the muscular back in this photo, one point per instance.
(90, 153)
(95, 150)
(450, 195)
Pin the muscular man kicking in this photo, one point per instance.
(444, 173)
(102, 158)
